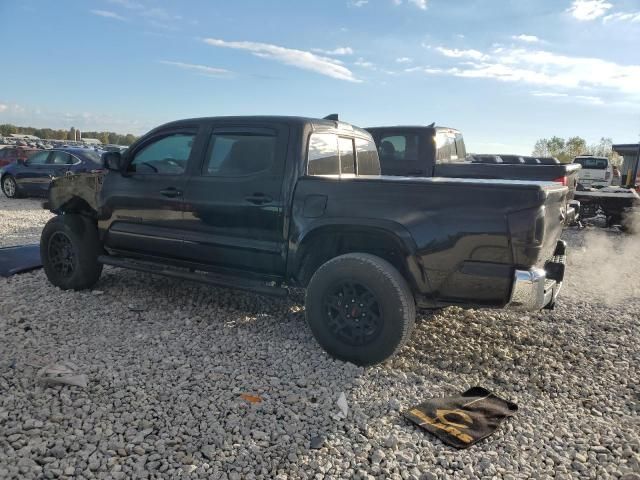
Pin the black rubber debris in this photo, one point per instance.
(463, 420)
(20, 259)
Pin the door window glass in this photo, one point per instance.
(39, 158)
(368, 161)
(323, 156)
(347, 157)
(238, 154)
(61, 158)
(395, 148)
(167, 156)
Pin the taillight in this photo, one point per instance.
(564, 181)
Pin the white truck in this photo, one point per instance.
(596, 172)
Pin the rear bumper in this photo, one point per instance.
(538, 288)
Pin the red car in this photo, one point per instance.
(11, 154)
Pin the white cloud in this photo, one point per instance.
(404, 60)
(590, 99)
(109, 14)
(421, 4)
(544, 68)
(585, 10)
(526, 38)
(358, 3)
(335, 51)
(204, 69)
(290, 56)
(456, 53)
(549, 94)
(3, 107)
(361, 62)
(622, 17)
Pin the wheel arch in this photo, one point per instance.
(327, 240)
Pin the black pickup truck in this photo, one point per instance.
(263, 203)
(431, 151)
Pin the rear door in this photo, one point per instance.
(146, 203)
(234, 206)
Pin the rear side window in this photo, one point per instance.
(368, 161)
(449, 146)
(323, 158)
(238, 154)
(593, 163)
(347, 156)
(61, 158)
(403, 148)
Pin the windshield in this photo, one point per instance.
(593, 163)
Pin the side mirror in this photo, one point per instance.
(112, 161)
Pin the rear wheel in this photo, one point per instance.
(9, 186)
(69, 249)
(359, 308)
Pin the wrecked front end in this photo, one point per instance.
(75, 193)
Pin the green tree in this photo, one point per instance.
(7, 129)
(104, 137)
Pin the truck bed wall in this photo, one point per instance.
(458, 229)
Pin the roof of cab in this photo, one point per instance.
(316, 123)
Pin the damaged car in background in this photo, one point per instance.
(263, 203)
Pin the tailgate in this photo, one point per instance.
(535, 231)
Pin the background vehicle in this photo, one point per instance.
(33, 175)
(258, 203)
(430, 151)
(14, 154)
(596, 172)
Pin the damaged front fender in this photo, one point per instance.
(75, 193)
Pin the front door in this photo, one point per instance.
(234, 207)
(33, 176)
(144, 205)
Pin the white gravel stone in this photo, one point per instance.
(165, 380)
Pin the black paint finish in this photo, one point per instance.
(456, 241)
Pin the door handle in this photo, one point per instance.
(259, 199)
(170, 192)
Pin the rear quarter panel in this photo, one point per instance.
(451, 224)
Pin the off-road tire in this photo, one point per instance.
(394, 301)
(7, 191)
(78, 236)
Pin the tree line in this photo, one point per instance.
(567, 150)
(53, 134)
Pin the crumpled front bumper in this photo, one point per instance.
(538, 288)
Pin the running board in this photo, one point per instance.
(210, 278)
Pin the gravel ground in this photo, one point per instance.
(21, 220)
(163, 398)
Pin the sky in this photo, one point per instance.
(504, 72)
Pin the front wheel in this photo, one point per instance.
(360, 308)
(9, 186)
(69, 249)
